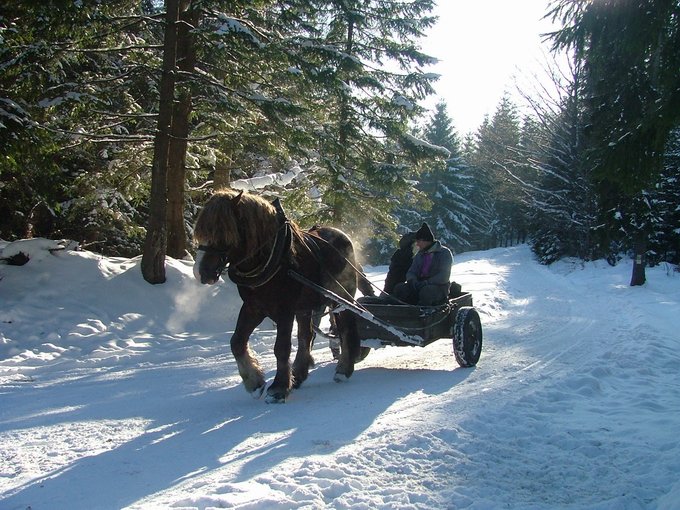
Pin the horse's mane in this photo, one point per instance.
(249, 222)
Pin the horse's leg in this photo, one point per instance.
(280, 388)
(303, 358)
(351, 345)
(248, 367)
(334, 342)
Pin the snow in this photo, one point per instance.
(230, 24)
(262, 181)
(418, 142)
(402, 101)
(119, 394)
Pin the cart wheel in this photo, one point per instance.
(362, 354)
(467, 337)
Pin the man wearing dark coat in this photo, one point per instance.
(400, 262)
(429, 276)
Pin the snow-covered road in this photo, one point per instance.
(118, 394)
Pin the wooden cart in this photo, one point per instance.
(384, 321)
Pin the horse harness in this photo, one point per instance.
(261, 274)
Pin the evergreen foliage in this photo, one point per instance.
(664, 244)
(365, 81)
(330, 91)
(268, 82)
(563, 204)
(84, 180)
(448, 185)
(632, 52)
(499, 198)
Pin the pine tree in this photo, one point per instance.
(448, 185)
(495, 162)
(664, 242)
(563, 206)
(632, 52)
(56, 83)
(480, 190)
(365, 69)
(155, 244)
(260, 83)
(440, 131)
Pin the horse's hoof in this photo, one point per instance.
(275, 399)
(276, 394)
(299, 376)
(257, 392)
(342, 372)
(338, 377)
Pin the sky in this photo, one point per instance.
(482, 45)
(116, 394)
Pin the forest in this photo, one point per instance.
(119, 118)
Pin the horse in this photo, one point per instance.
(260, 247)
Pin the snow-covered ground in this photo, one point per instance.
(119, 394)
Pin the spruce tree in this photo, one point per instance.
(447, 185)
(66, 177)
(632, 52)
(495, 162)
(259, 83)
(155, 244)
(664, 244)
(480, 190)
(366, 76)
(563, 206)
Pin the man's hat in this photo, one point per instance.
(424, 233)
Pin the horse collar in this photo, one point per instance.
(261, 275)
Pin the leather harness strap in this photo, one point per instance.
(282, 243)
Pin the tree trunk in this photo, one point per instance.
(186, 62)
(155, 244)
(640, 262)
(177, 237)
(222, 176)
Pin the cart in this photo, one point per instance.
(385, 321)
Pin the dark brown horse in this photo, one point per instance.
(260, 246)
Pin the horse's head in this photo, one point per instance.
(210, 264)
(236, 229)
(216, 233)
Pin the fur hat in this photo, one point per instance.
(424, 233)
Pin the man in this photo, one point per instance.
(400, 262)
(428, 278)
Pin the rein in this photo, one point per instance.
(311, 243)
